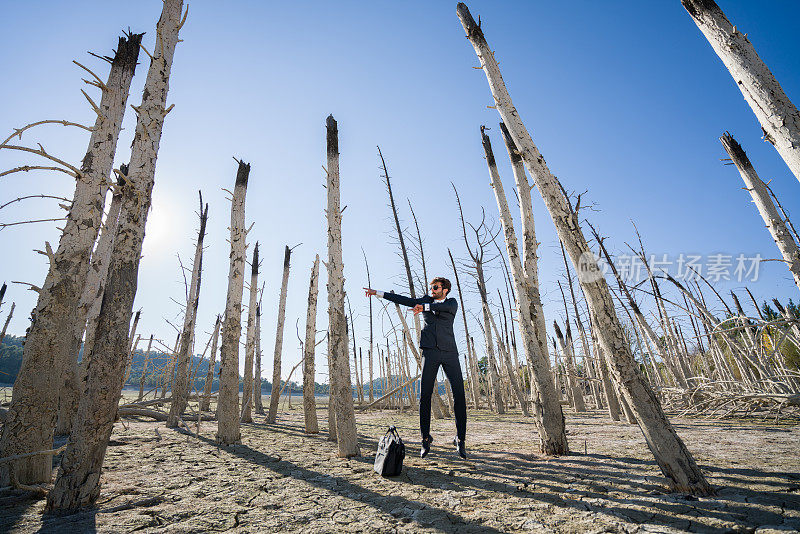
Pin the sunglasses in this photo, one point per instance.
(435, 287)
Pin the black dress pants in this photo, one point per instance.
(431, 360)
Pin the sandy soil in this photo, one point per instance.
(280, 479)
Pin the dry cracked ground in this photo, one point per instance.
(283, 480)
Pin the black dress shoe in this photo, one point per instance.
(461, 449)
(426, 447)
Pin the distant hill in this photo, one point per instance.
(11, 360)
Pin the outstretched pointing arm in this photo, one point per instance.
(393, 297)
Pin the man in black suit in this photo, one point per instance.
(438, 345)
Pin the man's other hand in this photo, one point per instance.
(369, 292)
(418, 308)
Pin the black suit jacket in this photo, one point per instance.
(437, 333)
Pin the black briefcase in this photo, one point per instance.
(391, 451)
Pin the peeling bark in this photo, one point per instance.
(671, 454)
(228, 428)
(47, 352)
(78, 482)
(342, 391)
(779, 118)
(766, 208)
(548, 415)
(309, 348)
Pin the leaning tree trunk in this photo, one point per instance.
(250, 343)
(205, 400)
(779, 118)
(548, 415)
(309, 348)
(92, 295)
(88, 311)
(258, 403)
(274, 396)
(530, 258)
(671, 454)
(78, 481)
(766, 208)
(180, 392)
(47, 352)
(228, 427)
(342, 392)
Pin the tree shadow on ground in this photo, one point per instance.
(422, 515)
(625, 488)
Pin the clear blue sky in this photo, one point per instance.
(624, 99)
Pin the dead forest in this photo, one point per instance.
(632, 356)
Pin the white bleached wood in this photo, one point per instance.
(766, 208)
(180, 391)
(671, 454)
(309, 349)
(228, 428)
(31, 416)
(341, 389)
(205, 400)
(78, 482)
(258, 403)
(548, 415)
(779, 118)
(276, 368)
(250, 343)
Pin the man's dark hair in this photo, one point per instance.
(445, 283)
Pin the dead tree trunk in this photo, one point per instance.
(779, 118)
(548, 415)
(276, 369)
(180, 392)
(608, 388)
(342, 392)
(309, 348)
(371, 342)
(31, 416)
(144, 367)
(5, 325)
(228, 423)
(78, 481)
(512, 375)
(258, 403)
(470, 375)
(766, 208)
(671, 454)
(89, 309)
(205, 400)
(250, 343)
(494, 376)
(401, 240)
